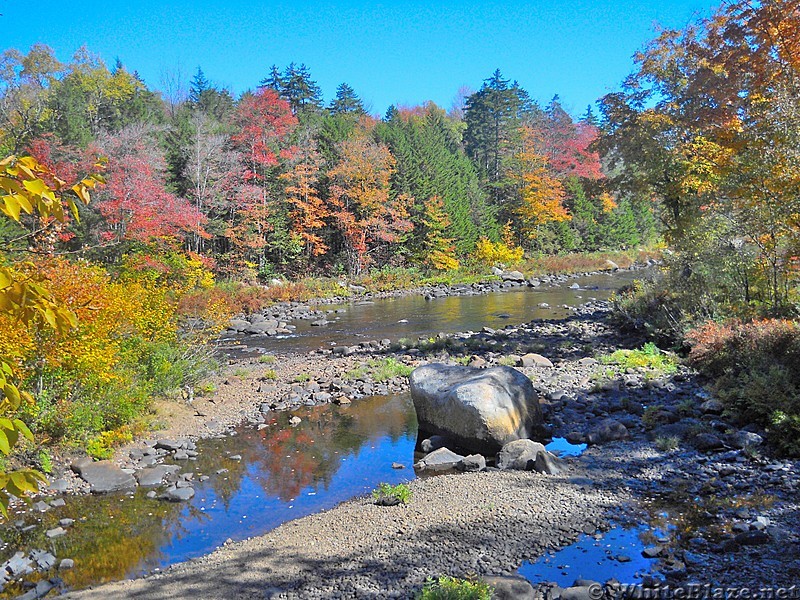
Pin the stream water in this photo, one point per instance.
(284, 472)
(413, 316)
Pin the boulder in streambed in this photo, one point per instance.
(439, 460)
(104, 477)
(154, 476)
(527, 455)
(477, 409)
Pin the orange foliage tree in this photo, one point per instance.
(364, 210)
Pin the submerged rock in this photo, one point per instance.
(478, 409)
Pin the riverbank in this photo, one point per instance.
(656, 440)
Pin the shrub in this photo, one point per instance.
(648, 356)
(389, 368)
(756, 371)
(490, 253)
(388, 495)
(451, 588)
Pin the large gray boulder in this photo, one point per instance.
(477, 409)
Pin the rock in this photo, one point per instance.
(294, 421)
(752, 538)
(58, 502)
(54, 533)
(578, 592)
(497, 271)
(59, 485)
(433, 443)
(534, 360)
(44, 560)
(610, 265)
(519, 455)
(397, 465)
(706, 442)
(66, 563)
(511, 587)
(66, 522)
(712, 407)
(105, 477)
(170, 445)
(652, 551)
(478, 409)
(78, 464)
(439, 460)
(742, 439)
(610, 430)
(514, 276)
(238, 325)
(176, 494)
(472, 463)
(549, 464)
(154, 476)
(320, 323)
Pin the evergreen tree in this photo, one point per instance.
(198, 85)
(274, 80)
(346, 101)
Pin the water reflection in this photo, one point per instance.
(285, 472)
(617, 554)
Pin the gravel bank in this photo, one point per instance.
(485, 523)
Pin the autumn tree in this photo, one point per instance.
(364, 212)
(439, 250)
(540, 194)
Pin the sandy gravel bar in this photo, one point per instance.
(478, 523)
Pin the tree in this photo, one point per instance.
(26, 186)
(540, 194)
(364, 212)
(308, 211)
(346, 102)
(136, 205)
(26, 86)
(439, 251)
(198, 85)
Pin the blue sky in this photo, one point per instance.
(404, 52)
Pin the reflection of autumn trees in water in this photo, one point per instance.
(294, 458)
(122, 535)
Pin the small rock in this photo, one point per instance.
(176, 494)
(54, 533)
(65, 564)
(472, 463)
(397, 465)
(294, 421)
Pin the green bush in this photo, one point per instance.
(648, 356)
(451, 588)
(392, 494)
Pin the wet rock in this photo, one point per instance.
(442, 459)
(397, 465)
(104, 477)
(472, 463)
(154, 476)
(511, 588)
(178, 494)
(479, 409)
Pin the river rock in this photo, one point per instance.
(439, 460)
(178, 494)
(478, 409)
(514, 276)
(238, 325)
(519, 455)
(154, 476)
(433, 443)
(472, 463)
(534, 360)
(511, 587)
(104, 477)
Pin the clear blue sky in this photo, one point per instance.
(405, 52)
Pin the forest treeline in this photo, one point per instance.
(193, 188)
(278, 182)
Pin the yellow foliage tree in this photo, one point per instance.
(27, 186)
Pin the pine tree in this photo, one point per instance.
(346, 102)
(198, 85)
